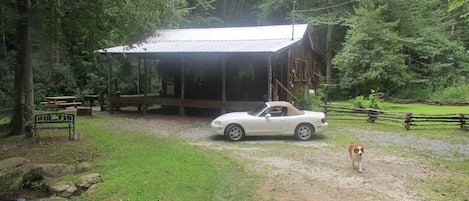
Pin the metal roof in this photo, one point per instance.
(229, 39)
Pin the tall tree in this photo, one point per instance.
(380, 36)
(24, 96)
(65, 36)
(371, 57)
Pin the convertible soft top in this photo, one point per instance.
(292, 110)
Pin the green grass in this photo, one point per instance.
(417, 108)
(428, 109)
(451, 179)
(139, 166)
(4, 120)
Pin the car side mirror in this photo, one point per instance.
(268, 115)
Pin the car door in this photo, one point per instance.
(273, 121)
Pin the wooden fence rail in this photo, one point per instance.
(406, 119)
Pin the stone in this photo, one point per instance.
(12, 163)
(61, 188)
(48, 170)
(83, 167)
(90, 191)
(88, 180)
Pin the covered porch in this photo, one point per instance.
(229, 69)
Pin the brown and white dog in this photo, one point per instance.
(356, 151)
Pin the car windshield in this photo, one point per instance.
(258, 109)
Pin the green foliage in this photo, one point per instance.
(310, 101)
(371, 56)
(53, 81)
(461, 7)
(7, 72)
(380, 36)
(423, 44)
(459, 92)
(372, 101)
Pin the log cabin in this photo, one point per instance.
(230, 68)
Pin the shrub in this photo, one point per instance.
(372, 101)
(310, 101)
(458, 92)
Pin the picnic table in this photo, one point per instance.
(56, 102)
(91, 99)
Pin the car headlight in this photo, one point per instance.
(216, 123)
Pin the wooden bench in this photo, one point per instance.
(52, 119)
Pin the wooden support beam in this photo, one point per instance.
(269, 78)
(223, 84)
(109, 84)
(138, 75)
(183, 82)
(145, 69)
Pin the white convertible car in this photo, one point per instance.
(275, 117)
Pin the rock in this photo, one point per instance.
(90, 191)
(12, 163)
(88, 180)
(48, 170)
(11, 172)
(83, 167)
(61, 188)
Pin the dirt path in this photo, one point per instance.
(312, 170)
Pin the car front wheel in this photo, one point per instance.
(234, 132)
(304, 132)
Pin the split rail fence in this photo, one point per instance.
(407, 120)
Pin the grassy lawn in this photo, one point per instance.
(142, 166)
(139, 166)
(428, 109)
(417, 108)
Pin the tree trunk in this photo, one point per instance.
(4, 44)
(24, 98)
(328, 46)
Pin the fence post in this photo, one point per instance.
(407, 120)
(371, 116)
(462, 120)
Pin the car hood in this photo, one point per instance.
(232, 115)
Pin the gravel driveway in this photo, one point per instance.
(315, 170)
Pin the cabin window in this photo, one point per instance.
(305, 65)
(296, 70)
(300, 70)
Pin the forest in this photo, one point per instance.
(407, 49)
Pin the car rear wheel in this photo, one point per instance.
(234, 132)
(304, 132)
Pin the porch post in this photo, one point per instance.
(138, 75)
(269, 78)
(145, 68)
(109, 84)
(183, 82)
(223, 84)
